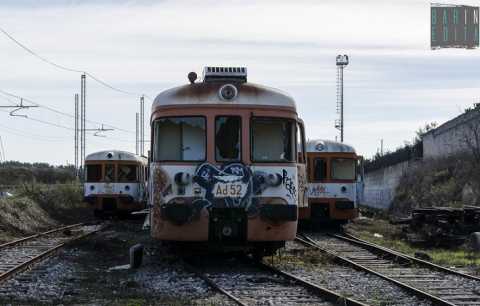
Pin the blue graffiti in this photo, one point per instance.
(207, 176)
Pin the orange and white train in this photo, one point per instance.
(334, 183)
(115, 182)
(226, 170)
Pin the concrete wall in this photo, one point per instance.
(380, 185)
(450, 137)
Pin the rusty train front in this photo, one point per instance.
(227, 163)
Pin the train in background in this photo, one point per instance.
(225, 167)
(335, 183)
(115, 182)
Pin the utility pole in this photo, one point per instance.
(76, 137)
(136, 133)
(82, 122)
(142, 126)
(381, 147)
(341, 61)
(2, 151)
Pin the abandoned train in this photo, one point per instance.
(227, 163)
(115, 182)
(335, 183)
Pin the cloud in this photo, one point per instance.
(394, 83)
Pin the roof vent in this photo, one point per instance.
(215, 74)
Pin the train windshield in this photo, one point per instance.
(180, 139)
(343, 169)
(273, 140)
(94, 173)
(227, 138)
(127, 173)
(320, 169)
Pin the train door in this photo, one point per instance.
(302, 167)
(360, 181)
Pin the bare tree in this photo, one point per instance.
(471, 138)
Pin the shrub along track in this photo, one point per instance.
(19, 255)
(440, 285)
(248, 282)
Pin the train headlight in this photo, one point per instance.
(228, 92)
(273, 180)
(182, 178)
(227, 231)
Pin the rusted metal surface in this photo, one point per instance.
(442, 226)
(207, 93)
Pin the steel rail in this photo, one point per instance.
(213, 284)
(385, 250)
(48, 253)
(420, 293)
(28, 238)
(329, 295)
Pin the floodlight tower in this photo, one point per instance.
(342, 61)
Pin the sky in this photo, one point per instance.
(394, 83)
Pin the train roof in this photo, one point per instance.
(327, 146)
(203, 93)
(116, 155)
(223, 86)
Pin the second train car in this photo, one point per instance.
(334, 183)
(225, 168)
(115, 182)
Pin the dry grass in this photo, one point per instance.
(36, 208)
(393, 238)
(299, 258)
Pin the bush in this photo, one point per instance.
(16, 173)
(439, 182)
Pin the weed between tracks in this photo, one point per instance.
(301, 258)
(392, 238)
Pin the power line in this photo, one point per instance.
(65, 68)
(58, 111)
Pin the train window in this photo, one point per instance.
(343, 169)
(273, 140)
(180, 139)
(109, 173)
(300, 144)
(320, 169)
(94, 173)
(127, 173)
(227, 138)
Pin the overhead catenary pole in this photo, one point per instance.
(76, 137)
(142, 126)
(82, 122)
(2, 149)
(136, 134)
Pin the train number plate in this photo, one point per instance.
(229, 190)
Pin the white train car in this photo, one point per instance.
(115, 182)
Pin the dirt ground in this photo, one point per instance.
(95, 271)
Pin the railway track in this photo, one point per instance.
(19, 255)
(441, 286)
(247, 282)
